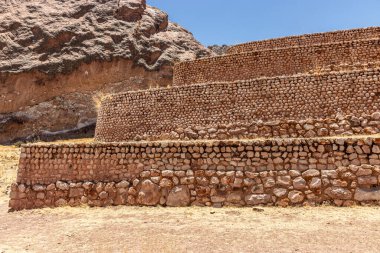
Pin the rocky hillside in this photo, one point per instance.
(219, 50)
(58, 58)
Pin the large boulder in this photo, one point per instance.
(149, 194)
(296, 197)
(338, 193)
(179, 196)
(367, 194)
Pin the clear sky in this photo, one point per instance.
(237, 21)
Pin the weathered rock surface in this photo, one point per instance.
(149, 194)
(367, 195)
(58, 57)
(179, 196)
(338, 193)
(296, 196)
(257, 199)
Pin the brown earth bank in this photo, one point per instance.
(58, 59)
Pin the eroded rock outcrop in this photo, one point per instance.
(219, 50)
(58, 58)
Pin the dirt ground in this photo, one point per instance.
(143, 229)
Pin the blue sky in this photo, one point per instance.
(238, 21)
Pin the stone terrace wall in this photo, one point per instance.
(263, 107)
(307, 40)
(271, 172)
(279, 62)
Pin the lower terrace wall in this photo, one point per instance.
(220, 173)
(307, 40)
(278, 62)
(296, 106)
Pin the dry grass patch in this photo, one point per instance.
(9, 156)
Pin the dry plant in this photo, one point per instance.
(98, 99)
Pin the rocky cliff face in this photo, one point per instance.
(58, 58)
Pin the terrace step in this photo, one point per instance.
(339, 171)
(276, 62)
(307, 40)
(292, 106)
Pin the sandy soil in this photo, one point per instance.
(142, 229)
(137, 229)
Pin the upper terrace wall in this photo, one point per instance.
(287, 61)
(307, 40)
(259, 107)
(239, 173)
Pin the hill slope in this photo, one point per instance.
(58, 58)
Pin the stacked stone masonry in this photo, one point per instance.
(278, 62)
(219, 173)
(210, 139)
(307, 40)
(296, 106)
